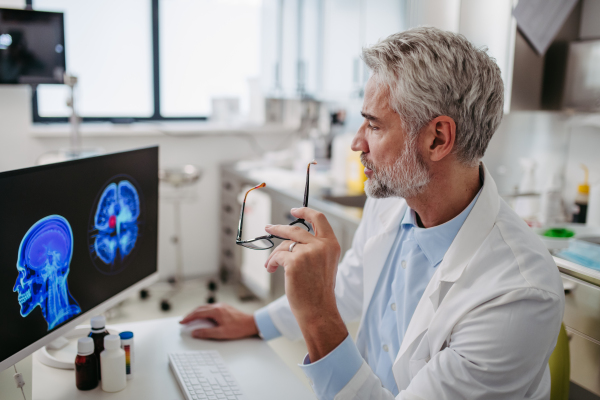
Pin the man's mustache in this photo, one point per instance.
(366, 163)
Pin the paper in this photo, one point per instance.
(540, 20)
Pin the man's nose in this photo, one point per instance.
(359, 142)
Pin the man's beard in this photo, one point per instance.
(406, 178)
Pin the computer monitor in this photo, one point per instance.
(75, 239)
(32, 46)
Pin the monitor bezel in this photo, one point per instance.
(100, 308)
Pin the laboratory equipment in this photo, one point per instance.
(204, 373)
(177, 178)
(73, 191)
(32, 47)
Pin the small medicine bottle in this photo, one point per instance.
(86, 365)
(97, 334)
(112, 363)
(127, 346)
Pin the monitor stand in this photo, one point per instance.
(46, 358)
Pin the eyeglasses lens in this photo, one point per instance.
(260, 244)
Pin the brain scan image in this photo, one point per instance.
(44, 257)
(115, 225)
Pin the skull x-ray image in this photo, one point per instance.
(44, 257)
(115, 226)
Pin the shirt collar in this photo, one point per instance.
(435, 241)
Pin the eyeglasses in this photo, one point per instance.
(266, 242)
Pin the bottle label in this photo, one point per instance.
(127, 349)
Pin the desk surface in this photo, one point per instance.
(261, 374)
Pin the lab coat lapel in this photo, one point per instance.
(475, 229)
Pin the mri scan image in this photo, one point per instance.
(43, 266)
(115, 225)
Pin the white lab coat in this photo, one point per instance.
(487, 322)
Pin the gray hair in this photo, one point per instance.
(429, 73)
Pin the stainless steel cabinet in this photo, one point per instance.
(582, 321)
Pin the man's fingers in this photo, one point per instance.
(283, 246)
(278, 259)
(317, 220)
(209, 333)
(292, 232)
(201, 313)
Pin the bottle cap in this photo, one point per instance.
(85, 346)
(112, 342)
(126, 335)
(98, 322)
(583, 188)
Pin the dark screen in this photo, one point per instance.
(109, 204)
(32, 46)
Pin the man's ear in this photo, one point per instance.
(440, 137)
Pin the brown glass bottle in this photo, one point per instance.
(86, 365)
(86, 372)
(97, 334)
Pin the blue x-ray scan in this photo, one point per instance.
(116, 222)
(44, 257)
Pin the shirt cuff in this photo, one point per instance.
(331, 373)
(266, 328)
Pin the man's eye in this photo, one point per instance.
(373, 127)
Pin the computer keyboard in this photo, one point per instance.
(202, 375)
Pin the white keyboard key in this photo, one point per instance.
(202, 375)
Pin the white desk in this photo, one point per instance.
(261, 374)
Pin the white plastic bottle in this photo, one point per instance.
(112, 364)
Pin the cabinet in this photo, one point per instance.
(582, 321)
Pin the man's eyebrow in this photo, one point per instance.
(369, 117)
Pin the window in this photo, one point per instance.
(194, 67)
(153, 59)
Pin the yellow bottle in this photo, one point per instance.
(355, 174)
(581, 200)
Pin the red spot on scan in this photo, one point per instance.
(112, 222)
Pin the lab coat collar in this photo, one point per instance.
(435, 241)
(473, 232)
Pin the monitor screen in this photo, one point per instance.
(32, 46)
(73, 235)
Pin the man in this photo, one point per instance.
(457, 298)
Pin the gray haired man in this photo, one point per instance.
(457, 298)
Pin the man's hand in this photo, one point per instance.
(310, 271)
(231, 323)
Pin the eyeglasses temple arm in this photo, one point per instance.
(239, 233)
(305, 204)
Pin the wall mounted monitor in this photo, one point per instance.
(32, 47)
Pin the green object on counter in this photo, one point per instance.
(559, 233)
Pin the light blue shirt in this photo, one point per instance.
(411, 263)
